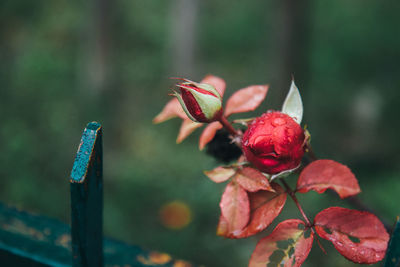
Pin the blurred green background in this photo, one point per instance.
(66, 63)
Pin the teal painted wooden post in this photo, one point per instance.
(393, 253)
(87, 199)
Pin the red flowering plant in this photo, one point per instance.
(270, 149)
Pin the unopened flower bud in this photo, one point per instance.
(274, 143)
(200, 101)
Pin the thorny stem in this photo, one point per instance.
(292, 194)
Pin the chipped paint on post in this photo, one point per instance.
(85, 152)
(87, 199)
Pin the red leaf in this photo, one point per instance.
(223, 227)
(323, 174)
(370, 234)
(171, 110)
(220, 174)
(235, 207)
(208, 133)
(246, 99)
(187, 127)
(289, 236)
(252, 180)
(217, 82)
(265, 206)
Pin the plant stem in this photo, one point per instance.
(296, 201)
(228, 126)
(311, 153)
(354, 200)
(292, 194)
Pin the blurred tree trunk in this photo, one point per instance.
(292, 37)
(183, 37)
(97, 46)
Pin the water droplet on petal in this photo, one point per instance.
(278, 122)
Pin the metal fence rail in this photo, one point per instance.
(34, 240)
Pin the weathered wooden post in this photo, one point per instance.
(87, 199)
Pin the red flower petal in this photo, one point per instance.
(370, 234)
(289, 235)
(323, 174)
(274, 143)
(174, 109)
(246, 99)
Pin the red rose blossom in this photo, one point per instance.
(274, 143)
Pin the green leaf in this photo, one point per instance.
(293, 106)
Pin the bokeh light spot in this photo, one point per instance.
(175, 215)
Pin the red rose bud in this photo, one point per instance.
(274, 143)
(200, 101)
